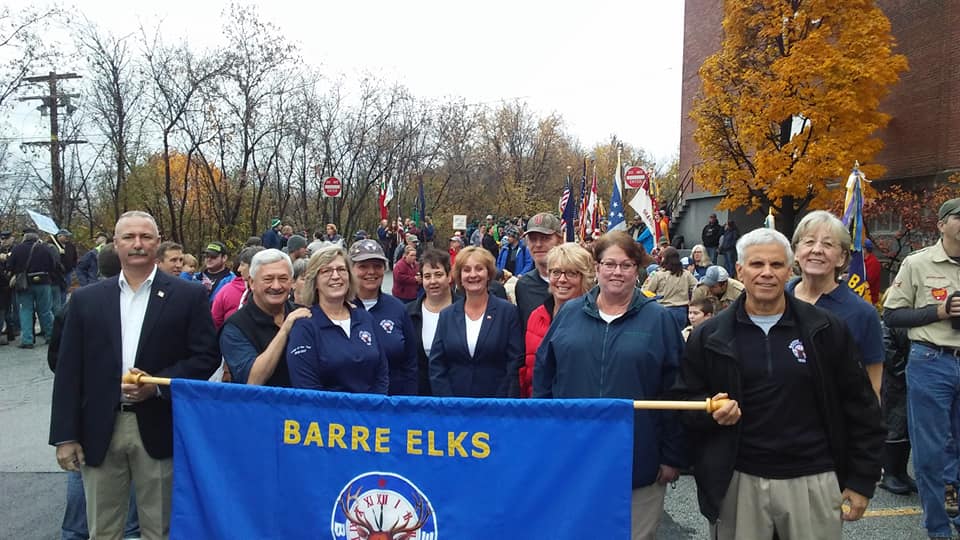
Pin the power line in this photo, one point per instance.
(50, 105)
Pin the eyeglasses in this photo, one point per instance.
(330, 270)
(625, 266)
(569, 274)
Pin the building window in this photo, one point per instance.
(888, 223)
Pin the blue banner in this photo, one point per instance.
(261, 462)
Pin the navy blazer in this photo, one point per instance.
(499, 351)
(177, 340)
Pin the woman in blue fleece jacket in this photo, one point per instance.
(336, 348)
(617, 342)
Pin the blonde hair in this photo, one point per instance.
(474, 251)
(190, 260)
(573, 255)
(323, 257)
(704, 258)
(834, 227)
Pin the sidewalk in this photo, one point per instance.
(32, 484)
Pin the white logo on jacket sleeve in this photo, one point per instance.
(796, 347)
(300, 349)
(387, 325)
(366, 337)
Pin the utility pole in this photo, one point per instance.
(50, 105)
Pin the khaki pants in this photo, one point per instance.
(107, 487)
(806, 508)
(646, 510)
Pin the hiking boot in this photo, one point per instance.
(950, 500)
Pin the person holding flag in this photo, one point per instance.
(822, 246)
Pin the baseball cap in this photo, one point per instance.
(364, 250)
(64, 232)
(412, 238)
(296, 242)
(360, 235)
(489, 216)
(5, 234)
(949, 208)
(543, 223)
(714, 274)
(274, 222)
(215, 248)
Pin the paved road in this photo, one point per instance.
(32, 488)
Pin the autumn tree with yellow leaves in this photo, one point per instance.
(791, 100)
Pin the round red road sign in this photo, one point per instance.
(636, 177)
(332, 187)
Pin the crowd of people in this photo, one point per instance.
(509, 310)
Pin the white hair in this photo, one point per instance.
(135, 214)
(268, 256)
(761, 237)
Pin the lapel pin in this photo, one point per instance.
(160, 294)
(489, 317)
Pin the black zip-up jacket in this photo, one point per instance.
(846, 402)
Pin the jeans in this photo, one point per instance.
(35, 298)
(730, 262)
(933, 408)
(75, 516)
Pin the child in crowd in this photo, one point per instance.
(699, 311)
(189, 267)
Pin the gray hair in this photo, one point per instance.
(835, 228)
(268, 256)
(136, 214)
(247, 254)
(299, 267)
(762, 237)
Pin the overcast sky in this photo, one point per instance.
(607, 66)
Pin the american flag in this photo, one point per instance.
(567, 212)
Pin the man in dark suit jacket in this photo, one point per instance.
(141, 321)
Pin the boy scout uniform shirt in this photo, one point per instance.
(734, 290)
(927, 277)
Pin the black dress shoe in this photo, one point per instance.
(894, 485)
(25, 345)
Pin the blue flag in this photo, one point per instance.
(616, 222)
(263, 462)
(853, 219)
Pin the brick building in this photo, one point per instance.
(922, 140)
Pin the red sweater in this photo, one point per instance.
(537, 327)
(405, 286)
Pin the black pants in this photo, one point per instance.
(6, 310)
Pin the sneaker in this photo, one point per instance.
(950, 500)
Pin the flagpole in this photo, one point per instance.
(709, 405)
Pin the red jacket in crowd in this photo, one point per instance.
(537, 327)
(405, 286)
